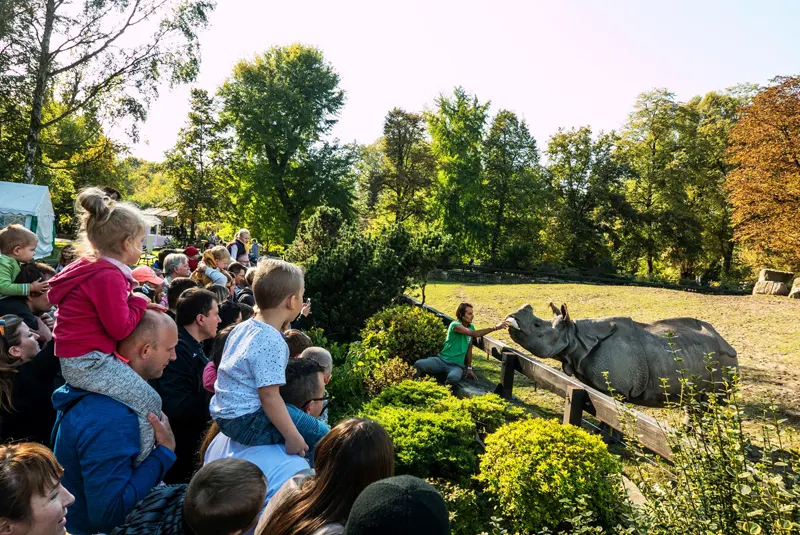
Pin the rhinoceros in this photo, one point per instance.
(635, 355)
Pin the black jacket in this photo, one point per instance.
(185, 402)
(159, 513)
(33, 415)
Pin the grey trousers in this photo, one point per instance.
(105, 374)
(440, 369)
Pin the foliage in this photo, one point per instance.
(765, 148)
(530, 466)
(405, 331)
(469, 513)
(391, 372)
(723, 483)
(292, 162)
(489, 411)
(410, 395)
(195, 164)
(359, 276)
(347, 388)
(316, 234)
(338, 351)
(428, 443)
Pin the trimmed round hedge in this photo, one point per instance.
(405, 331)
(534, 470)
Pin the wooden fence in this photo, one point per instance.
(579, 398)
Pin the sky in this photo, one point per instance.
(557, 64)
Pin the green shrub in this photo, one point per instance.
(393, 371)
(338, 350)
(469, 512)
(424, 395)
(405, 331)
(531, 467)
(489, 412)
(429, 444)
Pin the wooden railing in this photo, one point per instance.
(579, 398)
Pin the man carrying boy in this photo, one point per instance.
(321, 356)
(18, 246)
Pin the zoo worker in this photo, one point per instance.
(456, 355)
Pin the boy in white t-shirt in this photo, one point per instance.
(247, 405)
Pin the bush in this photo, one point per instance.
(533, 467)
(423, 395)
(392, 372)
(338, 350)
(489, 412)
(469, 513)
(430, 444)
(405, 331)
(347, 388)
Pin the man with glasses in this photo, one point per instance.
(305, 389)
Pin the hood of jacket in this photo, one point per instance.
(159, 513)
(66, 396)
(74, 274)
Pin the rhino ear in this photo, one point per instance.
(565, 313)
(555, 309)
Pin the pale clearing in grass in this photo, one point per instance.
(762, 329)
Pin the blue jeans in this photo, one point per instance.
(255, 429)
(440, 369)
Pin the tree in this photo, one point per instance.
(409, 167)
(194, 163)
(586, 179)
(513, 195)
(79, 49)
(765, 185)
(281, 105)
(456, 126)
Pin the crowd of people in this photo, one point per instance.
(181, 398)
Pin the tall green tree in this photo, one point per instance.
(585, 178)
(513, 196)
(281, 106)
(457, 127)
(194, 165)
(409, 167)
(82, 50)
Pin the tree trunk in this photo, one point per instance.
(649, 263)
(37, 102)
(727, 258)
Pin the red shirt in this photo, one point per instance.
(95, 308)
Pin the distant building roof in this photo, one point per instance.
(161, 212)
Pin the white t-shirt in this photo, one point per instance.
(277, 465)
(255, 355)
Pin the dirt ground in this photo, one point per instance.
(762, 329)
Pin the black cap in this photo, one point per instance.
(402, 505)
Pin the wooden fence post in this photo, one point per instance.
(507, 374)
(573, 408)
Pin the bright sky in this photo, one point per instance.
(557, 64)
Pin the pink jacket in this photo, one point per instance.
(95, 308)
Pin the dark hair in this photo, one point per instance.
(176, 288)
(145, 291)
(228, 314)
(14, 236)
(221, 293)
(462, 309)
(235, 267)
(354, 454)
(301, 382)
(33, 272)
(9, 338)
(66, 255)
(219, 344)
(192, 303)
(298, 341)
(247, 311)
(224, 496)
(25, 469)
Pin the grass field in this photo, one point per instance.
(762, 329)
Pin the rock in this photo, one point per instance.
(795, 293)
(770, 288)
(773, 275)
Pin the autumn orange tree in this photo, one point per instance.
(764, 187)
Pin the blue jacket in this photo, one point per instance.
(96, 440)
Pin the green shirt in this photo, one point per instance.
(456, 345)
(9, 269)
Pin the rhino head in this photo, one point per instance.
(544, 338)
(558, 338)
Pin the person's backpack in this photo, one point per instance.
(159, 513)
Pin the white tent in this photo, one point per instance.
(30, 206)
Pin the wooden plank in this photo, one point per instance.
(573, 408)
(507, 375)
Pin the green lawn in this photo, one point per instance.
(762, 329)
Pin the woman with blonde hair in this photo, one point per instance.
(210, 270)
(354, 454)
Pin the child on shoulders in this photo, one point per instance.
(18, 246)
(247, 405)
